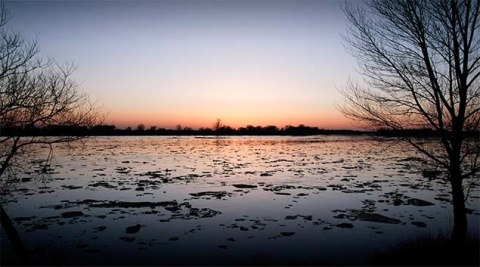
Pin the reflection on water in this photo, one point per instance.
(235, 200)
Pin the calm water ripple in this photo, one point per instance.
(234, 200)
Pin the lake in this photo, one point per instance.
(228, 201)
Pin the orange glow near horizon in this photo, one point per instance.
(261, 104)
(331, 121)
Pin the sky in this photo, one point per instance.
(166, 63)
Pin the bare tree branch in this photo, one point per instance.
(421, 63)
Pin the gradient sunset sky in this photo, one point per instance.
(164, 63)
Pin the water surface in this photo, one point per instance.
(228, 200)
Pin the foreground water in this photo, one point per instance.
(228, 201)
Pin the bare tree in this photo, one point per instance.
(34, 93)
(217, 125)
(141, 127)
(420, 60)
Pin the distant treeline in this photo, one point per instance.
(111, 130)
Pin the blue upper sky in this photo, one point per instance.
(189, 62)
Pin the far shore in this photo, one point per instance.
(301, 130)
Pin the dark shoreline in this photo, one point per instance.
(301, 130)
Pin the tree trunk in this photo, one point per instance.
(14, 237)
(459, 233)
